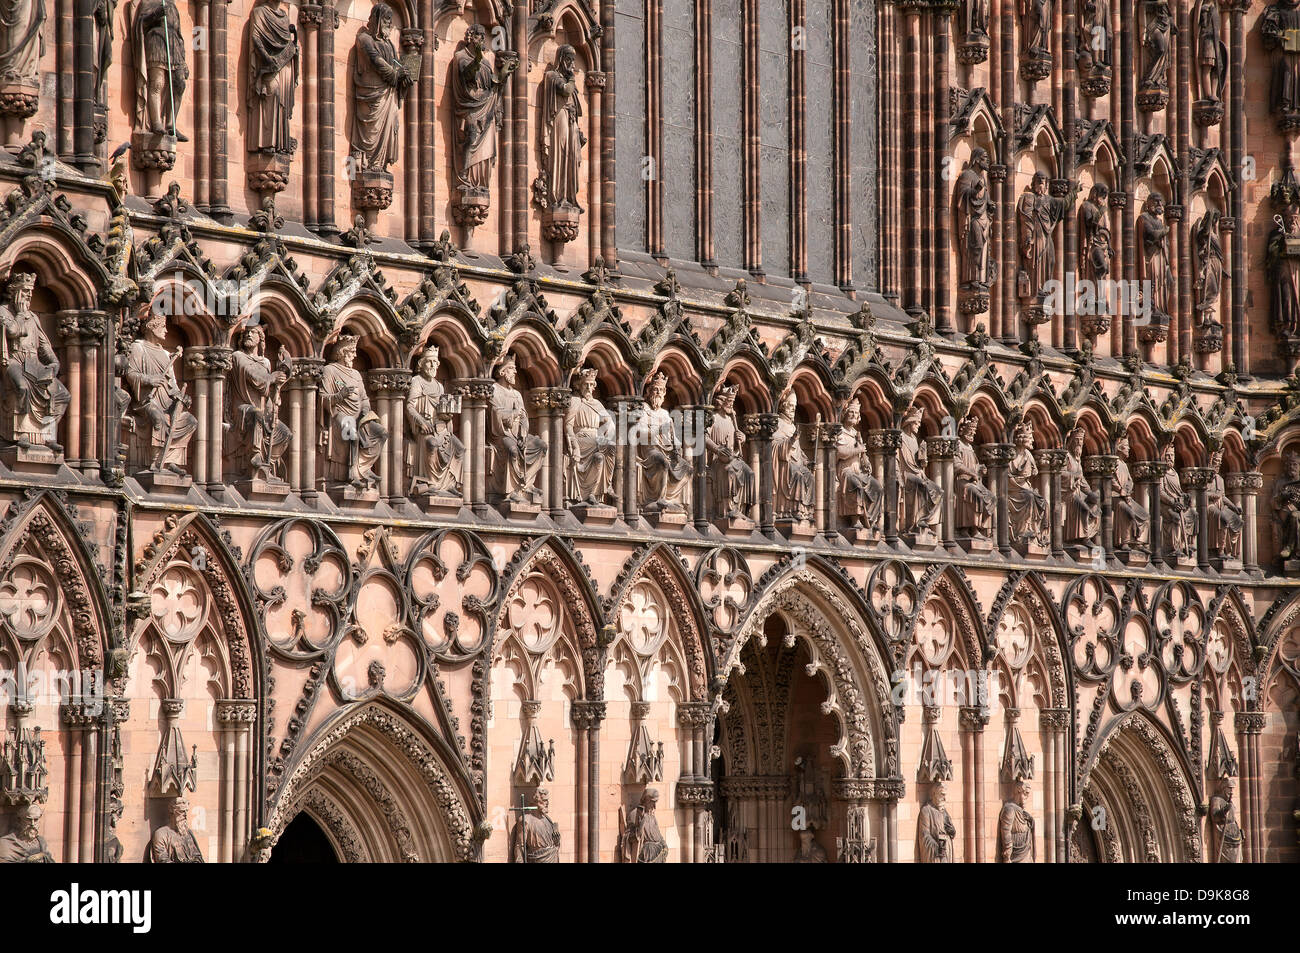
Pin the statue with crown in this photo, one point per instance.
(515, 456)
(731, 479)
(589, 451)
(355, 436)
(665, 484)
(435, 456)
(35, 399)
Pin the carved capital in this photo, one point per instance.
(1054, 719)
(389, 381)
(996, 455)
(552, 399)
(236, 712)
(888, 440)
(1249, 722)
(694, 793)
(1197, 478)
(1149, 471)
(694, 715)
(587, 716)
(1247, 483)
(475, 390)
(757, 786)
(1051, 460)
(1101, 465)
(307, 371)
(973, 718)
(941, 448)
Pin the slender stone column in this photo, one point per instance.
(219, 90)
(1198, 479)
(551, 404)
(629, 412)
(428, 121)
(1101, 468)
(889, 441)
(389, 385)
(760, 428)
(326, 220)
(828, 435)
(696, 420)
(219, 362)
(972, 720)
(307, 372)
(1244, 489)
(1249, 725)
(940, 453)
(310, 17)
(235, 721)
(587, 716)
(1149, 473)
(1054, 723)
(1050, 463)
(475, 393)
(997, 456)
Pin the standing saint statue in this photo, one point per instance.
(104, 35)
(639, 838)
(158, 45)
(21, 42)
(972, 212)
(436, 454)
(975, 502)
(1016, 828)
(1286, 508)
(1036, 27)
(730, 477)
(792, 476)
(588, 444)
(1177, 512)
(1154, 261)
(1279, 25)
(273, 54)
(1095, 250)
(1284, 272)
(935, 830)
(922, 509)
(35, 396)
(1082, 502)
(1156, 46)
(861, 497)
(379, 83)
(158, 403)
(1224, 519)
(517, 454)
(258, 437)
(1037, 215)
(1211, 53)
(1207, 249)
(477, 90)
(355, 435)
(535, 838)
(1227, 832)
(1131, 517)
(1026, 507)
(560, 138)
(665, 467)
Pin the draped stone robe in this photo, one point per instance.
(356, 434)
(15, 849)
(665, 469)
(921, 495)
(21, 42)
(730, 477)
(1131, 517)
(1015, 834)
(1082, 504)
(249, 389)
(934, 835)
(170, 846)
(861, 497)
(477, 110)
(1224, 519)
(519, 455)
(1177, 515)
(157, 406)
(29, 360)
(562, 138)
(378, 83)
(792, 476)
(535, 840)
(435, 455)
(592, 455)
(273, 77)
(1026, 508)
(975, 501)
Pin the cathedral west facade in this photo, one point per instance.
(728, 431)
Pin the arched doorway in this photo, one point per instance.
(303, 842)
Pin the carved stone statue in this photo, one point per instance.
(1095, 249)
(809, 851)
(1156, 46)
(1036, 28)
(1094, 36)
(1211, 53)
(158, 45)
(560, 138)
(975, 502)
(731, 480)
(477, 88)
(1037, 215)
(922, 497)
(379, 83)
(176, 844)
(1131, 517)
(355, 435)
(1286, 508)
(1224, 519)
(639, 838)
(1284, 271)
(35, 398)
(976, 18)
(437, 454)
(665, 467)
(257, 438)
(1016, 828)
(1026, 508)
(972, 213)
(1207, 248)
(159, 405)
(21, 42)
(518, 455)
(1227, 832)
(792, 476)
(861, 497)
(1279, 25)
(24, 844)
(935, 830)
(1177, 511)
(272, 78)
(589, 450)
(105, 10)
(535, 838)
(1154, 261)
(1082, 502)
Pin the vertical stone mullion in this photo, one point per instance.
(309, 24)
(219, 195)
(326, 223)
(203, 109)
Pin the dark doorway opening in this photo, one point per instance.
(303, 842)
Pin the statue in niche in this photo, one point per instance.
(158, 44)
(810, 794)
(922, 497)
(1223, 815)
(437, 454)
(273, 55)
(731, 479)
(1036, 28)
(104, 36)
(792, 476)
(1082, 502)
(975, 501)
(560, 138)
(258, 438)
(1154, 261)
(977, 18)
(1094, 36)
(665, 467)
(379, 83)
(535, 838)
(1026, 508)
(1016, 827)
(935, 830)
(1037, 215)
(639, 838)
(590, 453)
(175, 844)
(1279, 25)
(1224, 519)
(1177, 512)
(34, 394)
(1156, 45)
(972, 212)
(1284, 271)
(477, 90)
(21, 41)
(519, 455)
(158, 403)
(861, 497)
(24, 844)
(1286, 508)
(355, 435)
(809, 851)
(1095, 249)
(1207, 249)
(1211, 53)
(1131, 517)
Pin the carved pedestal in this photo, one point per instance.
(438, 504)
(268, 172)
(1207, 112)
(372, 192)
(600, 515)
(1096, 83)
(1152, 99)
(31, 458)
(974, 544)
(514, 510)
(470, 209)
(560, 225)
(164, 481)
(973, 49)
(796, 529)
(153, 153)
(1036, 66)
(735, 525)
(665, 519)
(349, 495)
(19, 101)
(256, 488)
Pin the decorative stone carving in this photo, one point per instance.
(1095, 255)
(173, 773)
(1131, 516)
(535, 838)
(560, 142)
(1223, 816)
(257, 439)
(176, 844)
(1207, 251)
(1026, 507)
(1094, 47)
(1035, 39)
(1155, 265)
(1037, 216)
(1284, 270)
(731, 480)
(24, 844)
(639, 838)
(273, 63)
(1153, 86)
(974, 46)
(355, 435)
(517, 455)
(922, 497)
(477, 90)
(35, 399)
(792, 475)
(380, 81)
(158, 405)
(665, 481)
(158, 45)
(1210, 68)
(1279, 25)
(21, 46)
(935, 830)
(1016, 828)
(105, 12)
(810, 793)
(436, 454)
(861, 497)
(1286, 512)
(972, 213)
(589, 450)
(1177, 512)
(23, 768)
(1225, 519)
(975, 501)
(809, 851)
(1082, 502)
